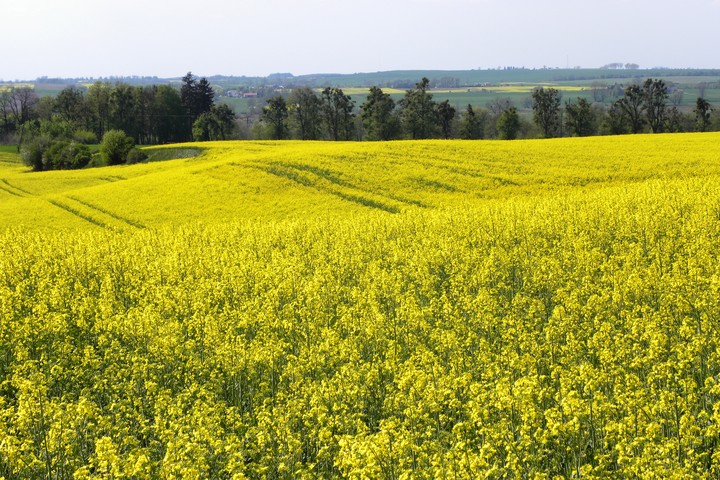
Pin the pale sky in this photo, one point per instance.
(99, 38)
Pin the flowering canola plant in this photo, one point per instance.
(401, 310)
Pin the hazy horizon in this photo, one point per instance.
(84, 38)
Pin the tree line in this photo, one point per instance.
(49, 130)
(642, 108)
(53, 129)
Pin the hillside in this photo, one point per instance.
(232, 181)
(434, 309)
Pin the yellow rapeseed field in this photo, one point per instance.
(432, 309)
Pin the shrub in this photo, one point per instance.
(135, 155)
(85, 137)
(75, 155)
(32, 152)
(63, 155)
(115, 146)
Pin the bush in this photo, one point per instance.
(115, 147)
(63, 155)
(135, 155)
(85, 137)
(56, 128)
(32, 152)
(75, 155)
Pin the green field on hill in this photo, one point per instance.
(415, 309)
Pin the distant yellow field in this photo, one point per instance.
(365, 91)
(526, 88)
(8, 86)
(489, 88)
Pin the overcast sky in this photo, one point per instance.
(94, 38)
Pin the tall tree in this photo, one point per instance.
(614, 121)
(546, 111)
(143, 110)
(197, 97)
(508, 124)
(304, 108)
(579, 118)
(70, 105)
(275, 114)
(168, 122)
(418, 113)
(378, 116)
(473, 124)
(633, 106)
(20, 104)
(98, 101)
(702, 110)
(122, 103)
(6, 124)
(446, 116)
(655, 94)
(337, 113)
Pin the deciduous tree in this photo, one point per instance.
(197, 97)
(546, 110)
(216, 124)
(418, 112)
(337, 113)
(378, 116)
(446, 116)
(655, 95)
(579, 118)
(115, 146)
(703, 111)
(633, 107)
(508, 124)
(275, 114)
(304, 109)
(473, 124)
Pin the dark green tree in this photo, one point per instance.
(655, 94)
(580, 118)
(378, 116)
(337, 113)
(98, 101)
(473, 124)
(197, 97)
(216, 124)
(508, 124)
(275, 114)
(168, 120)
(143, 111)
(122, 105)
(614, 122)
(204, 128)
(65, 155)
(304, 107)
(225, 118)
(418, 113)
(446, 117)
(70, 105)
(546, 111)
(677, 121)
(703, 112)
(632, 105)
